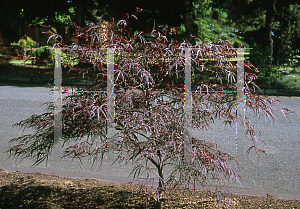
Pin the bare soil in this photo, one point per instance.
(35, 190)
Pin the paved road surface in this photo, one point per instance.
(278, 173)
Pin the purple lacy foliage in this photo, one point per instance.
(149, 104)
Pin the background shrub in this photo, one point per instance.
(22, 44)
(43, 52)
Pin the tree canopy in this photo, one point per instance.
(13, 13)
(272, 25)
(155, 13)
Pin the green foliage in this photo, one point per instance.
(211, 22)
(290, 82)
(23, 43)
(282, 78)
(32, 11)
(69, 59)
(237, 43)
(16, 46)
(66, 17)
(26, 43)
(59, 18)
(29, 52)
(287, 34)
(260, 58)
(249, 19)
(43, 52)
(47, 52)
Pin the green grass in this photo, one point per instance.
(28, 62)
(20, 61)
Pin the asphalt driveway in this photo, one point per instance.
(277, 173)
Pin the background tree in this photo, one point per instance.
(287, 34)
(188, 19)
(156, 14)
(197, 18)
(14, 12)
(23, 13)
(264, 17)
(185, 16)
(149, 117)
(211, 22)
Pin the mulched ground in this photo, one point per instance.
(35, 190)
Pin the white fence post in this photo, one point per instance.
(57, 97)
(187, 107)
(110, 93)
(240, 110)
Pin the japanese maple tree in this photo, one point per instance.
(149, 106)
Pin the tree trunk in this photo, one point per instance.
(277, 52)
(161, 175)
(79, 10)
(158, 205)
(269, 25)
(160, 186)
(80, 19)
(188, 20)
